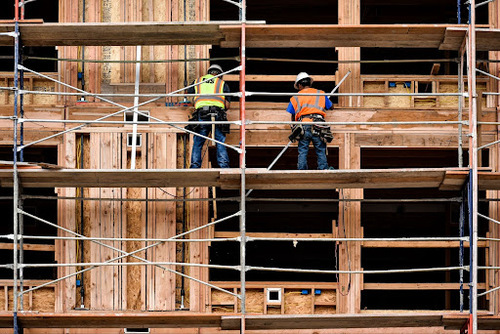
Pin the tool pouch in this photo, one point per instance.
(323, 131)
(222, 116)
(193, 127)
(297, 132)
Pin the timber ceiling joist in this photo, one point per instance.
(256, 178)
(437, 36)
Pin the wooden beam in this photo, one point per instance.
(435, 68)
(256, 178)
(317, 321)
(89, 319)
(29, 247)
(277, 78)
(273, 235)
(288, 285)
(418, 244)
(417, 286)
(27, 282)
(485, 322)
(444, 37)
(365, 244)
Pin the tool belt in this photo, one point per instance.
(323, 131)
(297, 132)
(205, 114)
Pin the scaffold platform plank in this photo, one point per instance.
(484, 322)
(323, 321)
(87, 319)
(225, 34)
(93, 319)
(256, 178)
(454, 180)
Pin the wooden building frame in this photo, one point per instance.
(246, 33)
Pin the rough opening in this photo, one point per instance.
(48, 10)
(437, 216)
(279, 212)
(45, 209)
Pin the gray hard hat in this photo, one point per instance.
(214, 67)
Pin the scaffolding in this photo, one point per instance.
(470, 199)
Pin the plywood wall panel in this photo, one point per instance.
(106, 220)
(162, 150)
(65, 249)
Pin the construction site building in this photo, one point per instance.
(106, 229)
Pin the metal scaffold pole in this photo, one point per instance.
(473, 160)
(243, 166)
(15, 173)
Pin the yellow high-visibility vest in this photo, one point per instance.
(213, 86)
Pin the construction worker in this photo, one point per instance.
(310, 109)
(209, 108)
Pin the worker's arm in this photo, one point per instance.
(291, 109)
(191, 90)
(328, 104)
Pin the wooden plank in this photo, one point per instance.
(417, 286)
(419, 244)
(113, 33)
(269, 322)
(279, 284)
(273, 235)
(485, 322)
(256, 178)
(116, 178)
(388, 178)
(111, 320)
(29, 247)
(445, 37)
(435, 68)
(277, 78)
(65, 249)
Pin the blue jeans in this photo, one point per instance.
(319, 146)
(222, 157)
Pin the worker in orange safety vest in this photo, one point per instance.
(309, 108)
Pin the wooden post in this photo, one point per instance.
(349, 13)
(349, 292)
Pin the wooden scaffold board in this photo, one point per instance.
(256, 178)
(227, 34)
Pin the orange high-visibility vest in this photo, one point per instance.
(308, 105)
(213, 86)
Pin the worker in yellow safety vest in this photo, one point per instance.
(310, 108)
(207, 108)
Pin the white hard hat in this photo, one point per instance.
(300, 76)
(214, 67)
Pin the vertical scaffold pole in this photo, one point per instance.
(136, 109)
(473, 158)
(15, 178)
(460, 109)
(243, 166)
